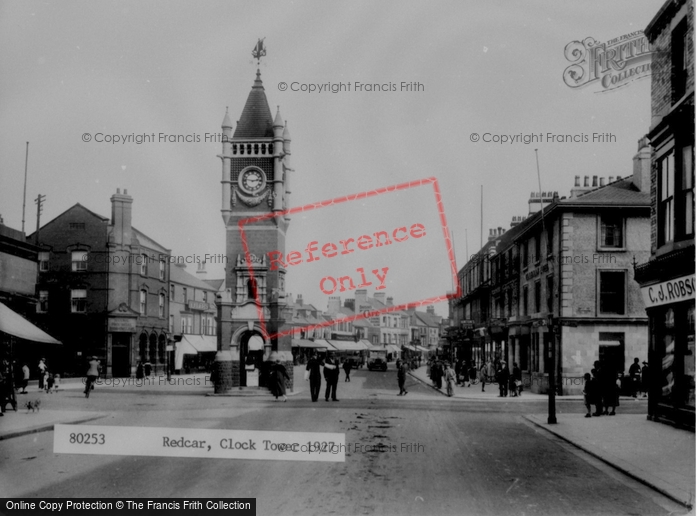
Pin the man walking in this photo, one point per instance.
(347, 367)
(635, 376)
(331, 372)
(314, 369)
(401, 376)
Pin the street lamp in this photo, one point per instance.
(552, 419)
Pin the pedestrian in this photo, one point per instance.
(596, 396)
(503, 377)
(587, 393)
(147, 368)
(331, 372)
(25, 378)
(472, 372)
(402, 368)
(439, 373)
(450, 379)
(645, 379)
(313, 370)
(635, 376)
(278, 374)
(347, 367)
(611, 395)
(517, 380)
(483, 373)
(92, 374)
(42, 371)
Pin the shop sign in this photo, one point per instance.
(197, 305)
(671, 291)
(122, 324)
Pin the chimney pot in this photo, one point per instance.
(602, 180)
(577, 181)
(125, 191)
(585, 181)
(595, 181)
(619, 177)
(119, 191)
(610, 179)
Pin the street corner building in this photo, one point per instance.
(667, 280)
(256, 169)
(103, 290)
(558, 285)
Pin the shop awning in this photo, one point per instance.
(367, 343)
(347, 345)
(202, 343)
(303, 343)
(421, 348)
(14, 324)
(393, 348)
(183, 348)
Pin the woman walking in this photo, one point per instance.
(450, 379)
(279, 374)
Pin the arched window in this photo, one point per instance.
(79, 260)
(152, 348)
(252, 288)
(142, 301)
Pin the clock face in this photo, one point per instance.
(252, 180)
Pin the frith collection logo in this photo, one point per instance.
(610, 65)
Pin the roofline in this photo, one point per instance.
(77, 204)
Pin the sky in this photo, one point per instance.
(79, 68)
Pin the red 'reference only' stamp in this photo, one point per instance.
(379, 247)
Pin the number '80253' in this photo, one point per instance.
(81, 438)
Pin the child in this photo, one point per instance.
(587, 392)
(56, 381)
(45, 380)
(48, 382)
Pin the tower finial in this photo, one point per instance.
(259, 50)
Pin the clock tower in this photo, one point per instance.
(255, 161)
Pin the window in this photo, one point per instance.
(78, 301)
(687, 193)
(550, 294)
(681, 52)
(172, 292)
(525, 296)
(79, 260)
(186, 324)
(612, 292)
(184, 294)
(43, 305)
(524, 252)
(205, 296)
(538, 295)
(161, 269)
(144, 265)
(142, 302)
(161, 305)
(550, 239)
(538, 250)
(611, 231)
(76, 225)
(665, 212)
(43, 261)
(171, 326)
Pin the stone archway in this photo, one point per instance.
(251, 352)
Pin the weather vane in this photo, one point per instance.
(259, 50)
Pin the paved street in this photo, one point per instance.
(474, 457)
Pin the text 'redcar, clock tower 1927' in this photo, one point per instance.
(255, 181)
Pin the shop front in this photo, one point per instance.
(671, 311)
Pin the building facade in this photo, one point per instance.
(103, 290)
(668, 278)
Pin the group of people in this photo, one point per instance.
(602, 386)
(331, 373)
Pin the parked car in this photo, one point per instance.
(377, 360)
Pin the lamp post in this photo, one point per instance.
(552, 419)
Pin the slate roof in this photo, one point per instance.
(622, 192)
(180, 276)
(256, 118)
(215, 283)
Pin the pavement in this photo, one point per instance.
(658, 455)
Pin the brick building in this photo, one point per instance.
(668, 278)
(103, 290)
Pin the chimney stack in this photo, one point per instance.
(333, 304)
(361, 297)
(641, 166)
(379, 296)
(430, 309)
(121, 218)
(300, 300)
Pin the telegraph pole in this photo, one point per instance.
(24, 196)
